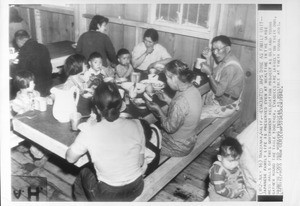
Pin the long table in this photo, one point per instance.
(43, 129)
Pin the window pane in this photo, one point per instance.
(203, 15)
(167, 12)
(196, 14)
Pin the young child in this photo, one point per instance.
(74, 68)
(26, 96)
(25, 101)
(124, 68)
(226, 178)
(97, 70)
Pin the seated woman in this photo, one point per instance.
(148, 53)
(183, 115)
(116, 146)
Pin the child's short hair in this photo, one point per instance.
(94, 55)
(230, 147)
(74, 64)
(122, 51)
(23, 78)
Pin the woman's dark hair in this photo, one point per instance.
(23, 78)
(230, 147)
(152, 33)
(180, 69)
(224, 39)
(14, 15)
(108, 100)
(74, 64)
(97, 19)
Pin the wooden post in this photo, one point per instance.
(80, 25)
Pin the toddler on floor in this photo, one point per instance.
(226, 178)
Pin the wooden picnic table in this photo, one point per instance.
(43, 129)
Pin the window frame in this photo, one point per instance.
(190, 29)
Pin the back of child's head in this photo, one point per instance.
(122, 52)
(74, 64)
(230, 147)
(94, 55)
(23, 78)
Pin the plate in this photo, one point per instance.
(139, 88)
(157, 85)
(121, 80)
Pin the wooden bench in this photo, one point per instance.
(208, 130)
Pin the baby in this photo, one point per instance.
(26, 96)
(226, 178)
(124, 68)
(26, 100)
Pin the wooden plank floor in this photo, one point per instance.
(188, 186)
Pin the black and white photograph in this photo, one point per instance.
(184, 102)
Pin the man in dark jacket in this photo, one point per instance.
(35, 58)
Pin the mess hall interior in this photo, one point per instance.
(133, 102)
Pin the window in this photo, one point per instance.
(193, 17)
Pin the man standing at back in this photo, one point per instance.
(35, 58)
(226, 79)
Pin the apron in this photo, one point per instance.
(212, 107)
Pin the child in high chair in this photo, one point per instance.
(26, 100)
(226, 178)
(124, 68)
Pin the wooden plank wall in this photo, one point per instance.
(237, 21)
(54, 25)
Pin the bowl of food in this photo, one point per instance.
(138, 87)
(140, 103)
(158, 85)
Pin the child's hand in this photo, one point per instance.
(238, 193)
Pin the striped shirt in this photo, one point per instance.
(225, 181)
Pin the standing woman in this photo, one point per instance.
(182, 117)
(116, 146)
(95, 40)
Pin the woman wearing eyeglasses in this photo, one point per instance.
(226, 79)
(149, 53)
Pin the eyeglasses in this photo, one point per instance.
(149, 42)
(218, 50)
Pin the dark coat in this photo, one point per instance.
(35, 57)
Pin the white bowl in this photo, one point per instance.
(139, 88)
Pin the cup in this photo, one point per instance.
(152, 71)
(75, 119)
(11, 50)
(135, 77)
(42, 104)
(122, 92)
(198, 63)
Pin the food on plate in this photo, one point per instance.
(121, 80)
(158, 85)
(140, 103)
